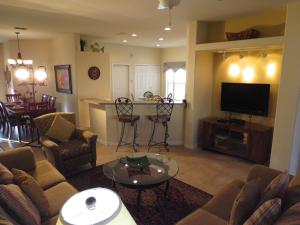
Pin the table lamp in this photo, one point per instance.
(96, 206)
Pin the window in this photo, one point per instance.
(175, 83)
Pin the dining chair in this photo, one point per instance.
(45, 98)
(2, 121)
(11, 121)
(13, 97)
(52, 101)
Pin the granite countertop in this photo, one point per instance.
(98, 101)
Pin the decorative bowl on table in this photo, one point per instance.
(136, 162)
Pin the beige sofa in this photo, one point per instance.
(217, 210)
(56, 189)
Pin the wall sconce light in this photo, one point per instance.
(248, 74)
(271, 69)
(234, 70)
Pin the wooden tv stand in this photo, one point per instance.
(249, 141)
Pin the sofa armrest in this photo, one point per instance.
(52, 150)
(221, 204)
(85, 135)
(265, 174)
(91, 139)
(19, 158)
(201, 217)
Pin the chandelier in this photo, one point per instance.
(23, 68)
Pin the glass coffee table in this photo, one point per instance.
(141, 171)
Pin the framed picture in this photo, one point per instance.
(63, 78)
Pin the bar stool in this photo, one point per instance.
(124, 109)
(164, 108)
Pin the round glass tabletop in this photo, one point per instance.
(141, 169)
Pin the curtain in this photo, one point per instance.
(174, 66)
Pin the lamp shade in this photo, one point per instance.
(40, 74)
(11, 62)
(22, 73)
(97, 206)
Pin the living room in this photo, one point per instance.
(225, 119)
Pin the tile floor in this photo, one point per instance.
(205, 170)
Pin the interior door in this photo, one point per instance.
(120, 81)
(147, 78)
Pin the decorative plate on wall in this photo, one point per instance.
(94, 72)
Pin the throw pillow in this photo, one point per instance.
(266, 214)
(245, 203)
(293, 192)
(61, 129)
(277, 188)
(13, 199)
(32, 189)
(6, 177)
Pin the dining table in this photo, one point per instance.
(28, 111)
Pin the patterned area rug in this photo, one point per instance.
(155, 209)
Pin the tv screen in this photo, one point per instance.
(252, 99)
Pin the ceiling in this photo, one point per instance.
(114, 20)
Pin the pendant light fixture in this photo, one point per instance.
(25, 73)
(23, 67)
(169, 25)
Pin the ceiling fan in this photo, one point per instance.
(167, 4)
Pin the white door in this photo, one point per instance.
(147, 78)
(120, 81)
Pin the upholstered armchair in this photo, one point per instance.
(79, 150)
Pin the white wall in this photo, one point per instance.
(88, 88)
(63, 49)
(129, 55)
(285, 133)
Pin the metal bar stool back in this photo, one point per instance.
(164, 109)
(124, 108)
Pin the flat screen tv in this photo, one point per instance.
(252, 99)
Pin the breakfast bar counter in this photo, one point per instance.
(101, 117)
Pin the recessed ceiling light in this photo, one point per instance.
(158, 45)
(133, 35)
(125, 41)
(161, 39)
(168, 28)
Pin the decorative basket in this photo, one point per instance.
(243, 35)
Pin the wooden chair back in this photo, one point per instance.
(45, 98)
(52, 101)
(13, 97)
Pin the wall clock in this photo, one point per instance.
(94, 72)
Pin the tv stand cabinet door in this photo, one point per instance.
(260, 144)
(207, 135)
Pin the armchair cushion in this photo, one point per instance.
(61, 129)
(73, 148)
